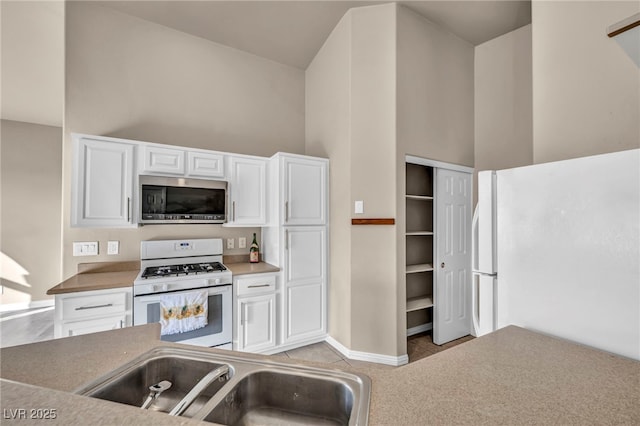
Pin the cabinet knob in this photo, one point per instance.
(442, 265)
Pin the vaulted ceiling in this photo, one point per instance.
(290, 32)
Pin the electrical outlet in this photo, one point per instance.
(113, 247)
(89, 248)
(242, 242)
(231, 243)
(359, 207)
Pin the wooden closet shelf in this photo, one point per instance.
(415, 303)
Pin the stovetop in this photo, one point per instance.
(178, 270)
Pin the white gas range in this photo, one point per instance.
(182, 267)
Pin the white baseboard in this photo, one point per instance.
(419, 329)
(367, 356)
(297, 344)
(9, 307)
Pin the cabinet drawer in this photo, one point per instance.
(78, 328)
(257, 284)
(94, 305)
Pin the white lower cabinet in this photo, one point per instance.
(92, 311)
(256, 323)
(304, 286)
(255, 312)
(304, 311)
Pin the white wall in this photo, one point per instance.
(350, 95)
(434, 118)
(376, 91)
(373, 133)
(32, 76)
(328, 131)
(130, 78)
(435, 92)
(585, 88)
(503, 102)
(31, 178)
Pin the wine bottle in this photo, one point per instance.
(254, 251)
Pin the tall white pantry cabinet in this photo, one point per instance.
(296, 241)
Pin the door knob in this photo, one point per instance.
(442, 265)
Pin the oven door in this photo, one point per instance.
(218, 331)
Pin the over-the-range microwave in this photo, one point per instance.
(166, 200)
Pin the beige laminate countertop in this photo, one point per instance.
(251, 268)
(103, 278)
(512, 376)
(95, 281)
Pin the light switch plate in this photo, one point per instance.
(113, 247)
(242, 242)
(87, 248)
(359, 207)
(231, 243)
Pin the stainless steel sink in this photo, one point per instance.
(253, 392)
(130, 383)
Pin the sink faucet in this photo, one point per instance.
(218, 373)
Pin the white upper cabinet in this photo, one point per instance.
(247, 191)
(205, 164)
(157, 159)
(302, 190)
(305, 188)
(176, 161)
(103, 183)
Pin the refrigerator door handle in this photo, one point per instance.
(474, 240)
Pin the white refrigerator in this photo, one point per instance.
(484, 269)
(563, 239)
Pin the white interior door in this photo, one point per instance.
(452, 292)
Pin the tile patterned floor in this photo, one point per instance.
(29, 326)
(18, 328)
(418, 347)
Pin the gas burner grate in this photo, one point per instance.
(187, 269)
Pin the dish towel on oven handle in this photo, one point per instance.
(183, 312)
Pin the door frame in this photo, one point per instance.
(437, 164)
(447, 166)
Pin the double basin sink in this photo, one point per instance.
(231, 390)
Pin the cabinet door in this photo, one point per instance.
(157, 159)
(78, 328)
(248, 192)
(452, 292)
(305, 254)
(205, 164)
(304, 311)
(305, 191)
(103, 184)
(304, 304)
(256, 323)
